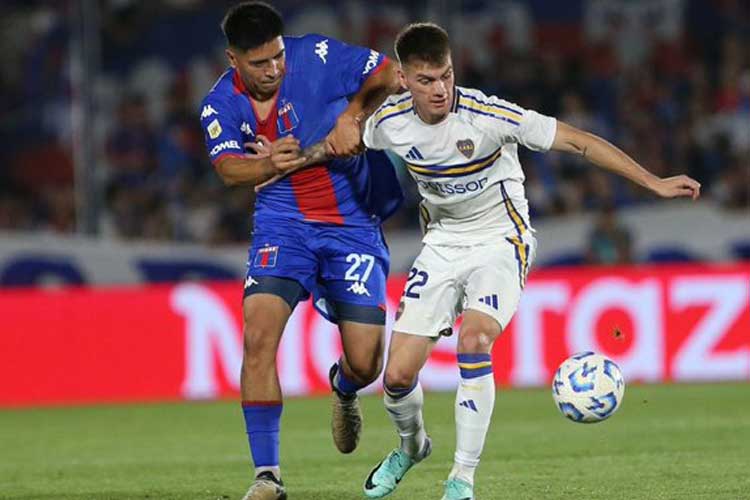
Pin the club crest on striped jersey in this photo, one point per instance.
(288, 119)
(465, 147)
(266, 257)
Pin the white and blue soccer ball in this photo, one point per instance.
(588, 387)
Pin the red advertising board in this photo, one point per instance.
(183, 341)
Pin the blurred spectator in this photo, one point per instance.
(131, 146)
(733, 187)
(668, 80)
(610, 243)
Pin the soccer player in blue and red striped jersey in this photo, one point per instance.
(317, 220)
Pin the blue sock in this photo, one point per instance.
(474, 365)
(343, 384)
(398, 393)
(262, 422)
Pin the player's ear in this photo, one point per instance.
(230, 56)
(401, 76)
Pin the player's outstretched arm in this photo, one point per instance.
(604, 154)
(346, 137)
(271, 159)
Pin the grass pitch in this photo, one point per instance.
(666, 442)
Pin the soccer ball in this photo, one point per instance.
(588, 387)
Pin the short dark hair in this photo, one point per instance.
(251, 24)
(425, 42)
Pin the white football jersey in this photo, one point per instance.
(466, 166)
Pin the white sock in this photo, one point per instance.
(405, 411)
(475, 400)
(275, 470)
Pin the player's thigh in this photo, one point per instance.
(496, 279)
(354, 266)
(407, 354)
(432, 295)
(265, 316)
(363, 346)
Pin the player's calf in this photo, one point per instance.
(404, 407)
(346, 421)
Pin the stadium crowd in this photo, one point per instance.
(668, 80)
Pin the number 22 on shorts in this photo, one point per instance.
(416, 280)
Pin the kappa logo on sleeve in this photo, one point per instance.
(321, 49)
(207, 111)
(266, 257)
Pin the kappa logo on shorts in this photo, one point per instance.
(266, 257)
(358, 288)
(249, 281)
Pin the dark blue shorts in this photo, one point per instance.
(343, 268)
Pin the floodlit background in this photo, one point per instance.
(99, 101)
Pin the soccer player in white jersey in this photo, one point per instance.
(460, 146)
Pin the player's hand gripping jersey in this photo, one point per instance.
(466, 166)
(320, 73)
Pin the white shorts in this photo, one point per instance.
(446, 280)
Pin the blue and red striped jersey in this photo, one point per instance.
(320, 74)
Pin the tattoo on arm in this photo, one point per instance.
(577, 148)
(316, 154)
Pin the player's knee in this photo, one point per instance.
(475, 340)
(259, 345)
(399, 377)
(366, 372)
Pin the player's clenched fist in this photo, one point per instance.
(285, 153)
(346, 137)
(677, 186)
